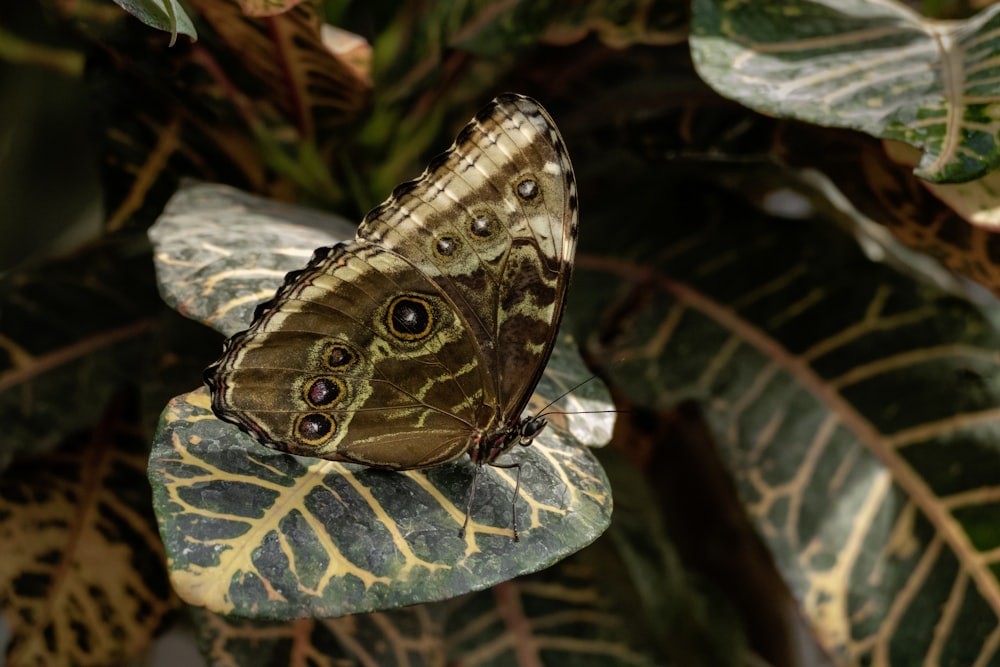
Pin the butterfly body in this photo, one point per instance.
(423, 338)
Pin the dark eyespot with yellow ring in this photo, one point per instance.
(314, 428)
(338, 356)
(323, 392)
(409, 317)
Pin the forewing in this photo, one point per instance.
(493, 222)
(358, 357)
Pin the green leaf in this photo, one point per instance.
(873, 66)
(82, 578)
(857, 411)
(410, 637)
(560, 616)
(221, 251)
(259, 533)
(166, 15)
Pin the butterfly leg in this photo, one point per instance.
(517, 491)
(468, 502)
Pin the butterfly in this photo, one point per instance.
(423, 338)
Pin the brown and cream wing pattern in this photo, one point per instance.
(401, 348)
(356, 355)
(493, 222)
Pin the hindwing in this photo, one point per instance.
(427, 334)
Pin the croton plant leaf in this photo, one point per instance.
(166, 15)
(410, 637)
(82, 576)
(259, 533)
(559, 616)
(878, 67)
(857, 410)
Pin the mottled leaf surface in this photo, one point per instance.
(220, 251)
(559, 616)
(878, 67)
(256, 532)
(82, 576)
(858, 412)
(411, 637)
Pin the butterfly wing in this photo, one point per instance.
(400, 349)
(493, 222)
(358, 357)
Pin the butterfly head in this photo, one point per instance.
(491, 446)
(527, 430)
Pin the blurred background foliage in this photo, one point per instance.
(787, 275)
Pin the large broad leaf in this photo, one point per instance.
(878, 67)
(857, 411)
(82, 576)
(560, 616)
(260, 533)
(410, 637)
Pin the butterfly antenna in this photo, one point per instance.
(588, 412)
(542, 413)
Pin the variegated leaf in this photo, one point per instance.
(256, 532)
